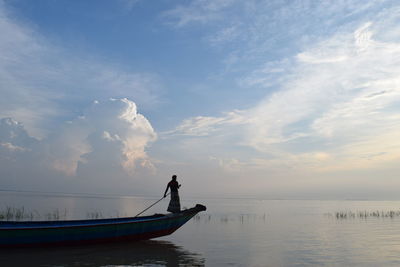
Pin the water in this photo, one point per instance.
(232, 232)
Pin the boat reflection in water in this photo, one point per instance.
(143, 253)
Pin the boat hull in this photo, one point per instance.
(21, 234)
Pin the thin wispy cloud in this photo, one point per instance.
(198, 11)
(339, 95)
(206, 126)
(129, 4)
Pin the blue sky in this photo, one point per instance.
(243, 98)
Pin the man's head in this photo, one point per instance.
(174, 177)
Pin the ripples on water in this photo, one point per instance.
(232, 232)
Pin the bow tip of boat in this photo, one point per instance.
(200, 207)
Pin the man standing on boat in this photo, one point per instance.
(174, 204)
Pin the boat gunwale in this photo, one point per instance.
(37, 225)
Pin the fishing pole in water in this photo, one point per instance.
(152, 205)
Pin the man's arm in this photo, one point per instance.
(165, 193)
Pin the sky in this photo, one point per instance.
(264, 99)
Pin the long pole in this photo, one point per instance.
(151, 205)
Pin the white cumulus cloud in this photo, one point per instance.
(110, 134)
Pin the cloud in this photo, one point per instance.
(335, 106)
(110, 134)
(342, 88)
(40, 81)
(224, 35)
(128, 4)
(12, 147)
(198, 11)
(205, 126)
(252, 29)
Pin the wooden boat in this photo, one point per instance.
(34, 233)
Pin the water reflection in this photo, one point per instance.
(146, 253)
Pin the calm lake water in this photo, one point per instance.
(232, 232)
